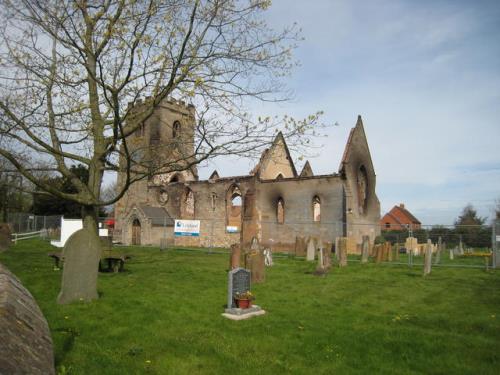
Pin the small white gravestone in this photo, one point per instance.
(268, 257)
(311, 249)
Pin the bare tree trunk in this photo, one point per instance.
(82, 254)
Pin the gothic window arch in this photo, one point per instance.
(176, 130)
(316, 205)
(234, 204)
(154, 134)
(280, 211)
(188, 204)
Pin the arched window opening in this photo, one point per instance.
(316, 209)
(214, 201)
(189, 204)
(279, 177)
(139, 132)
(175, 178)
(233, 210)
(280, 211)
(154, 135)
(176, 130)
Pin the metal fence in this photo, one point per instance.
(471, 246)
(22, 222)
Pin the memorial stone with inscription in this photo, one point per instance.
(238, 282)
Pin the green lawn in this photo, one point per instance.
(162, 316)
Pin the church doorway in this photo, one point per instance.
(136, 232)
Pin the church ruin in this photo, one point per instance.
(273, 203)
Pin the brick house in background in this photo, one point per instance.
(399, 218)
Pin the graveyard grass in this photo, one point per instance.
(163, 316)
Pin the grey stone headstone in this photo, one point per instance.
(311, 249)
(365, 248)
(82, 254)
(238, 282)
(25, 341)
(428, 258)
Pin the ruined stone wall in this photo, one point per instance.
(298, 195)
(211, 206)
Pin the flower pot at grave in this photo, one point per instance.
(244, 303)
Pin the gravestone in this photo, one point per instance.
(311, 249)
(255, 262)
(300, 246)
(452, 256)
(235, 256)
(342, 249)
(25, 341)
(239, 281)
(324, 259)
(428, 258)
(82, 253)
(365, 248)
(396, 252)
(5, 237)
(388, 251)
(437, 258)
(379, 252)
(268, 257)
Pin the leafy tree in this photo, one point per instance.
(70, 69)
(469, 226)
(46, 204)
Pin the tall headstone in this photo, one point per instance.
(437, 258)
(82, 253)
(365, 248)
(389, 251)
(235, 256)
(379, 253)
(428, 258)
(342, 252)
(452, 254)
(396, 252)
(5, 237)
(300, 246)
(460, 247)
(25, 341)
(255, 262)
(311, 249)
(239, 281)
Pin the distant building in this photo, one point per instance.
(399, 218)
(273, 203)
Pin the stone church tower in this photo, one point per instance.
(167, 137)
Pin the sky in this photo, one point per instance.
(424, 76)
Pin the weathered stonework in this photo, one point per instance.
(25, 341)
(5, 236)
(276, 204)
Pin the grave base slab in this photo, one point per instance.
(242, 314)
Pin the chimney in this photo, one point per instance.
(402, 205)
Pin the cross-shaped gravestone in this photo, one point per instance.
(238, 282)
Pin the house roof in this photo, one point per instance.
(158, 216)
(407, 213)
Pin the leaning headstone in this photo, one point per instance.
(82, 253)
(235, 256)
(365, 248)
(268, 257)
(25, 341)
(311, 249)
(342, 252)
(5, 237)
(428, 258)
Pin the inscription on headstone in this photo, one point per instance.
(238, 282)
